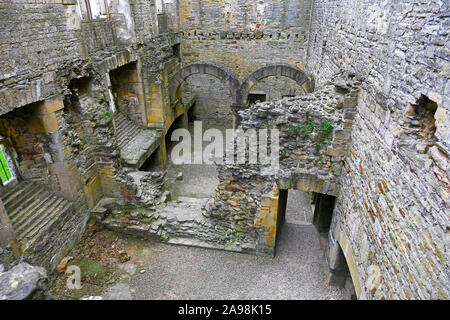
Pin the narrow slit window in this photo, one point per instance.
(6, 173)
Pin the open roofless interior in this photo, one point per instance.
(96, 97)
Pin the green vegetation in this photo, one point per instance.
(317, 146)
(292, 131)
(238, 232)
(89, 267)
(326, 131)
(106, 116)
(5, 173)
(308, 126)
(172, 75)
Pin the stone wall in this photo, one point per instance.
(242, 36)
(213, 98)
(56, 109)
(314, 135)
(391, 217)
(144, 16)
(35, 40)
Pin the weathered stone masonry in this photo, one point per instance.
(391, 218)
(64, 73)
(358, 89)
(242, 36)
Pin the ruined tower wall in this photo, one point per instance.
(242, 36)
(144, 16)
(391, 217)
(35, 40)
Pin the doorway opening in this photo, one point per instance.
(256, 96)
(323, 212)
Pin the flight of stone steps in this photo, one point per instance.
(31, 209)
(126, 130)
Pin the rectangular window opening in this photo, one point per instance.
(94, 9)
(255, 97)
(6, 172)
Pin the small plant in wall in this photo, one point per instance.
(324, 134)
(292, 131)
(106, 116)
(326, 131)
(172, 75)
(308, 127)
(317, 147)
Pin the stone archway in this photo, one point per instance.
(218, 71)
(239, 92)
(266, 71)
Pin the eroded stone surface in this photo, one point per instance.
(23, 281)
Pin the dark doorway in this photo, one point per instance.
(254, 97)
(323, 212)
(176, 52)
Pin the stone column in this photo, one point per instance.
(266, 222)
(7, 234)
(63, 168)
(162, 155)
(154, 106)
(338, 270)
(237, 118)
(185, 120)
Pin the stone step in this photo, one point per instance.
(126, 129)
(34, 217)
(32, 209)
(29, 196)
(128, 135)
(42, 219)
(28, 200)
(33, 235)
(22, 216)
(190, 200)
(13, 196)
(11, 190)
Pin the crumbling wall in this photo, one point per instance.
(391, 217)
(314, 135)
(36, 39)
(33, 146)
(144, 16)
(56, 64)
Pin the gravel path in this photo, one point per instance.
(178, 272)
(297, 272)
(298, 209)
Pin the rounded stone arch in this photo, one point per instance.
(256, 75)
(218, 71)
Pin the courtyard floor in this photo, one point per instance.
(117, 266)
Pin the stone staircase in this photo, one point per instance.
(126, 130)
(32, 209)
(136, 144)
